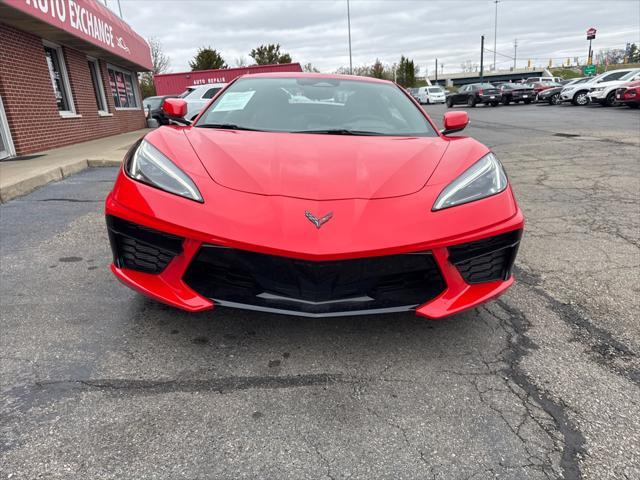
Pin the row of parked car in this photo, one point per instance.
(609, 88)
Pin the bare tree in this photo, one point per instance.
(159, 64)
(159, 60)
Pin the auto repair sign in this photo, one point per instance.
(90, 21)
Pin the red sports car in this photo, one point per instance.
(314, 195)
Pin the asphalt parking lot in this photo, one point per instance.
(99, 382)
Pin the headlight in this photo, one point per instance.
(484, 178)
(148, 165)
(597, 89)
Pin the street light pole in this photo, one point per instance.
(119, 8)
(349, 26)
(495, 34)
(515, 52)
(482, 59)
(436, 71)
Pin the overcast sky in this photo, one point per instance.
(316, 31)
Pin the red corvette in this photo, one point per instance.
(314, 195)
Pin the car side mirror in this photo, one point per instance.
(454, 122)
(174, 107)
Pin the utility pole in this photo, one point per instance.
(482, 59)
(349, 24)
(436, 70)
(495, 34)
(515, 51)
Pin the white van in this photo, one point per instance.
(433, 94)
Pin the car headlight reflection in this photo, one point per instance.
(148, 165)
(484, 178)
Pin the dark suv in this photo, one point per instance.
(475, 93)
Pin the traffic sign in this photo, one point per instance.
(591, 33)
(589, 70)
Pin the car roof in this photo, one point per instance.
(328, 76)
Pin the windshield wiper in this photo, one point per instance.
(227, 126)
(341, 131)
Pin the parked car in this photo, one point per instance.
(513, 92)
(153, 108)
(197, 96)
(475, 93)
(604, 93)
(413, 92)
(294, 208)
(552, 95)
(433, 94)
(578, 94)
(543, 80)
(629, 94)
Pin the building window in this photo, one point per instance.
(96, 80)
(59, 78)
(123, 88)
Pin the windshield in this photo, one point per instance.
(316, 105)
(483, 85)
(435, 90)
(152, 102)
(630, 75)
(186, 93)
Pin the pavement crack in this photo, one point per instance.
(573, 440)
(600, 341)
(220, 385)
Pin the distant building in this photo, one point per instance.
(176, 83)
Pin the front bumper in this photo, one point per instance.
(195, 275)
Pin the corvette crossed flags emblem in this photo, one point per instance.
(318, 222)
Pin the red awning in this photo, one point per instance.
(85, 25)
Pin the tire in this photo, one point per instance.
(449, 103)
(610, 99)
(580, 98)
(495, 104)
(555, 99)
(527, 102)
(505, 101)
(471, 102)
(633, 105)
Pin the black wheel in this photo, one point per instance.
(505, 100)
(581, 98)
(495, 104)
(555, 99)
(610, 100)
(449, 103)
(633, 105)
(471, 102)
(527, 102)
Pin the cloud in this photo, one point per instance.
(316, 30)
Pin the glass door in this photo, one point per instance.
(6, 145)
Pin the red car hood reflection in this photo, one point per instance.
(316, 166)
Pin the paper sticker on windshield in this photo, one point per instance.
(233, 101)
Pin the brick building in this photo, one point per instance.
(68, 73)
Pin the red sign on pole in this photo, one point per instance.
(591, 33)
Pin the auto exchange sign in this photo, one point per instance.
(90, 21)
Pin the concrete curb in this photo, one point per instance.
(28, 185)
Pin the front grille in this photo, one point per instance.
(141, 248)
(488, 259)
(250, 279)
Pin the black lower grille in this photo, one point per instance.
(488, 259)
(271, 282)
(141, 248)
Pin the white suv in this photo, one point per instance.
(578, 93)
(197, 96)
(430, 95)
(604, 93)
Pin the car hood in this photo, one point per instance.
(316, 166)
